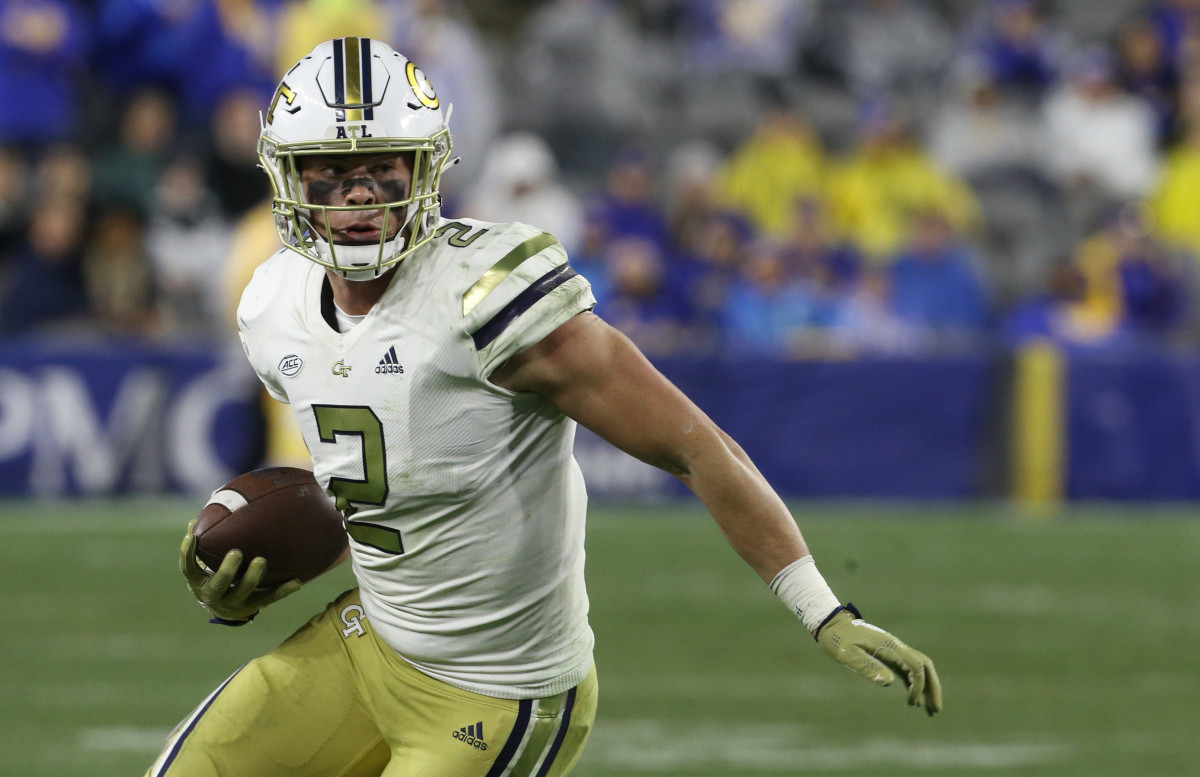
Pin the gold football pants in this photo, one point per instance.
(335, 701)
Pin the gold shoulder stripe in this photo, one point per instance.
(503, 268)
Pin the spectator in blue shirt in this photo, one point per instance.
(46, 283)
(1017, 44)
(643, 303)
(628, 207)
(198, 49)
(937, 283)
(773, 312)
(43, 50)
(712, 264)
(1146, 69)
(1175, 19)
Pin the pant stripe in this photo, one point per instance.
(175, 741)
(547, 715)
(560, 736)
(514, 739)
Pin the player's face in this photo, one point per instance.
(359, 180)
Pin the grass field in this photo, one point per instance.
(1067, 647)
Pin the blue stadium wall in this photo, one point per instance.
(1133, 426)
(105, 418)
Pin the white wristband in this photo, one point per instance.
(800, 586)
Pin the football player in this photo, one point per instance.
(437, 370)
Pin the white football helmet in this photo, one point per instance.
(355, 96)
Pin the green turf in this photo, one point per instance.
(1067, 647)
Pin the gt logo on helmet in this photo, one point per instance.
(288, 97)
(421, 86)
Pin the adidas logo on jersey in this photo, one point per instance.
(472, 735)
(389, 363)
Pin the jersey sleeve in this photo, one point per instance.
(269, 382)
(251, 320)
(527, 293)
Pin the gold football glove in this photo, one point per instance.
(878, 656)
(231, 600)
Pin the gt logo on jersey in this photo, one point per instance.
(353, 616)
(341, 369)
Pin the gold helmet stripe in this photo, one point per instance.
(353, 74)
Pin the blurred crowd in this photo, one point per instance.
(787, 178)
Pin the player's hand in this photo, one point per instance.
(229, 598)
(878, 656)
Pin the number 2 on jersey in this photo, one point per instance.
(360, 421)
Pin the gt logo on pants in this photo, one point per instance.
(353, 616)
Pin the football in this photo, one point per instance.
(279, 513)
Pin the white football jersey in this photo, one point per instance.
(466, 507)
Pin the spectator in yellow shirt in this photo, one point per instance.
(888, 178)
(1173, 204)
(781, 164)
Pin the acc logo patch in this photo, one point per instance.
(421, 86)
(290, 364)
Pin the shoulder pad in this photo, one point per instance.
(519, 288)
(264, 286)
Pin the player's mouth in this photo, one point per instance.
(359, 232)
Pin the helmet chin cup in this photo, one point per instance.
(363, 261)
(357, 262)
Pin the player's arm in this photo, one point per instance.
(595, 375)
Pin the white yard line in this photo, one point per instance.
(651, 746)
(123, 739)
